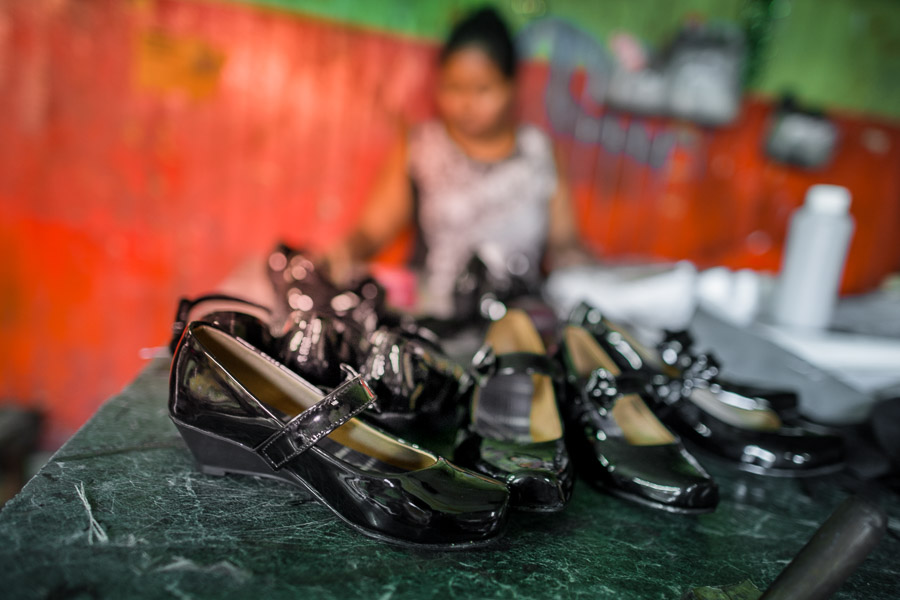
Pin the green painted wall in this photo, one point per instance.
(653, 20)
(841, 54)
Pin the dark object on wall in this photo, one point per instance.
(801, 137)
(704, 75)
(696, 78)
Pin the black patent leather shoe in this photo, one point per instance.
(240, 411)
(315, 346)
(479, 291)
(301, 285)
(677, 351)
(516, 434)
(417, 387)
(721, 421)
(617, 442)
(675, 357)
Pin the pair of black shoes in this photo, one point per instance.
(533, 415)
(756, 428)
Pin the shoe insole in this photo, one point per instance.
(519, 406)
(639, 425)
(286, 395)
(716, 404)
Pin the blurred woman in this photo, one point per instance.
(474, 181)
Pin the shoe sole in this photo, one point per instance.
(243, 461)
(678, 510)
(725, 462)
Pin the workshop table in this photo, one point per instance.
(121, 512)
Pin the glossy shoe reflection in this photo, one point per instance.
(617, 443)
(722, 421)
(516, 434)
(240, 411)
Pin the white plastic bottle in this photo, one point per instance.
(813, 260)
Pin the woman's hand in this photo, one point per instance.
(569, 255)
(338, 264)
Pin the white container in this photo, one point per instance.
(813, 261)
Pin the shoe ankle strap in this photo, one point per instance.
(303, 431)
(486, 364)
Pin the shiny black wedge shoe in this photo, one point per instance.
(516, 433)
(742, 429)
(617, 443)
(240, 411)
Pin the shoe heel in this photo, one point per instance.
(217, 456)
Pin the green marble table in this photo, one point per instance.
(120, 512)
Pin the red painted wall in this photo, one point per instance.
(127, 179)
(146, 148)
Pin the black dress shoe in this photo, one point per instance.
(617, 442)
(418, 388)
(719, 420)
(677, 351)
(481, 292)
(516, 434)
(240, 411)
(301, 285)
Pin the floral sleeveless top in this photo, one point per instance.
(498, 210)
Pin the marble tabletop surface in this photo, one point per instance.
(121, 512)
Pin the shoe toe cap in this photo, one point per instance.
(538, 490)
(700, 496)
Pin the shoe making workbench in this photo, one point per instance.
(121, 512)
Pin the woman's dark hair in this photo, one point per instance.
(485, 30)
